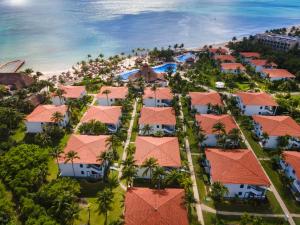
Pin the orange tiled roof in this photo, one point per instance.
(161, 93)
(104, 114)
(88, 148)
(72, 91)
(278, 125)
(278, 73)
(238, 166)
(257, 98)
(156, 115)
(250, 54)
(232, 66)
(223, 58)
(44, 113)
(261, 62)
(164, 149)
(207, 121)
(116, 92)
(293, 159)
(144, 206)
(205, 98)
(218, 50)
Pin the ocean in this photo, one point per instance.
(52, 35)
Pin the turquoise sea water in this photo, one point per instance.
(54, 34)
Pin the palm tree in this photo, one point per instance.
(70, 156)
(189, 199)
(235, 136)
(106, 92)
(105, 200)
(174, 177)
(149, 164)
(154, 89)
(60, 93)
(264, 138)
(147, 129)
(57, 117)
(219, 128)
(56, 152)
(112, 143)
(129, 161)
(158, 176)
(283, 141)
(129, 173)
(218, 191)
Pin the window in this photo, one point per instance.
(81, 165)
(261, 107)
(82, 172)
(240, 193)
(157, 126)
(248, 187)
(244, 107)
(111, 100)
(241, 186)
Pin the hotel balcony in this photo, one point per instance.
(168, 129)
(166, 102)
(112, 128)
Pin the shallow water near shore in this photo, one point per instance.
(53, 35)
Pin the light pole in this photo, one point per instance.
(89, 211)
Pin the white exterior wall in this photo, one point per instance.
(155, 128)
(56, 100)
(150, 102)
(202, 109)
(83, 172)
(250, 110)
(290, 173)
(37, 127)
(242, 191)
(103, 101)
(232, 71)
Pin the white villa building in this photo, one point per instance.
(277, 74)
(290, 164)
(108, 115)
(161, 97)
(202, 102)
(88, 148)
(238, 170)
(115, 94)
(233, 68)
(260, 64)
(256, 103)
(275, 127)
(164, 149)
(206, 123)
(160, 119)
(70, 92)
(248, 56)
(43, 115)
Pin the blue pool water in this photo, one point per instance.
(54, 34)
(158, 69)
(184, 57)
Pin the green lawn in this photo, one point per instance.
(284, 192)
(212, 219)
(52, 170)
(199, 177)
(135, 128)
(89, 192)
(297, 220)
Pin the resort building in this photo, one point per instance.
(15, 80)
(155, 207)
(164, 149)
(275, 127)
(290, 164)
(234, 68)
(278, 42)
(247, 56)
(260, 64)
(224, 58)
(69, 93)
(161, 97)
(217, 51)
(156, 119)
(206, 124)
(45, 115)
(111, 95)
(204, 102)
(88, 149)
(238, 170)
(277, 74)
(108, 115)
(256, 103)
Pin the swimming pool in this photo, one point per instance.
(184, 57)
(158, 69)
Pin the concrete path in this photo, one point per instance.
(228, 213)
(192, 171)
(127, 142)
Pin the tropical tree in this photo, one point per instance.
(158, 176)
(129, 173)
(147, 129)
(218, 191)
(106, 92)
(235, 137)
(174, 177)
(189, 199)
(149, 165)
(60, 93)
(105, 200)
(57, 117)
(219, 128)
(129, 161)
(154, 89)
(70, 157)
(112, 143)
(264, 138)
(56, 152)
(283, 141)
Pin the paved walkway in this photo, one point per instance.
(127, 142)
(192, 171)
